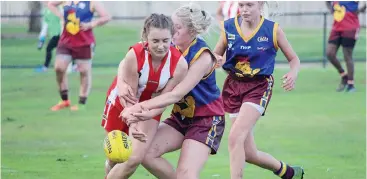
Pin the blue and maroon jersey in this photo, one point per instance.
(247, 56)
(345, 15)
(205, 98)
(76, 13)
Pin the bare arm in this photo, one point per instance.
(127, 76)
(288, 51)
(195, 73)
(104, 17)
(294, 63)
(219, 14)
(329, 6)
(220, 48)
(363, 8)
(52, 5)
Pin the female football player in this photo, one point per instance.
(251, 43)
(76, 43)
(149, 68)
(344, 33)
(197, 121)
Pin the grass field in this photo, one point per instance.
(113, 42)
(313, 126)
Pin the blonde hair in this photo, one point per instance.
(194, 18)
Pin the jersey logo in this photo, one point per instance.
(243, 67)
(262, 39)
(186, 107)
(231, 37)
(73, 23)
(339, 12)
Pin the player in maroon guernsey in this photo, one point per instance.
(344, 33)
(76, 44)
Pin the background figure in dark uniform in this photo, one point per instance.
(344, 32)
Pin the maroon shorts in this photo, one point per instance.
(207, 130)
(345, 38)
(256, 90)
(77, 53)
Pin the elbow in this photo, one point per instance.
(50, 4)
(108, 18)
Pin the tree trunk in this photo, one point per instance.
(34, 19)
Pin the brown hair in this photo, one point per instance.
(160, 21)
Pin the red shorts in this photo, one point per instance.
(207, 130)
(77, 53)
(256, 90)
(112, 110)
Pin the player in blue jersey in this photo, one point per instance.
(251, 43)
(197, 122)
(76, 44)
(344, 32)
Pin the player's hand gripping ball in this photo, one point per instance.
(117, 146)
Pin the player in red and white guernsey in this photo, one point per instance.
(227, 9)
(149, 68)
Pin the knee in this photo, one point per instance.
(83, 71)
(150, 156)
(235, 138)
(134, 162)
(330, 53)
(60, 69)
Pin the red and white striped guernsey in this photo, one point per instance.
(229, 9)
(150, 82)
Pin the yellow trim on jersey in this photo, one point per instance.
(212, 70)
(188, 48)
(197, 55)
(275, 37)
(223, 33)
(238, 28)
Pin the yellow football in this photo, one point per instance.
(117, 146)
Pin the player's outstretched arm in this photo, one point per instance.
(195, 73)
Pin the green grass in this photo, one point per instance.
(113, 42)
(313, 126)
